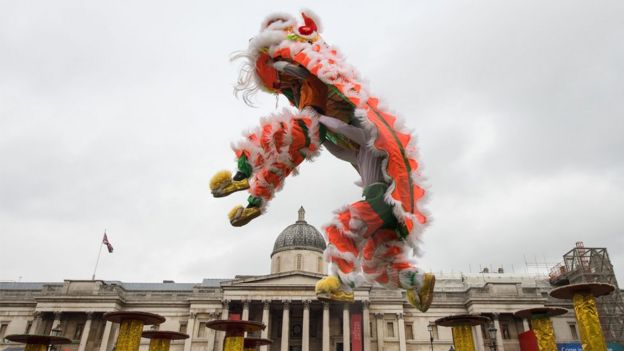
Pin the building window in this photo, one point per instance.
(28, 327)
(573, 331)
(319, 265)
(299, 261)
(389, 329)
(201, 331)
(505, 331)
(409, 332)
(78, 332)
(3, 329)
(183, 327)
(296, 331)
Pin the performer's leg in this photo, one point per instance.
(386, 261)
(351, 227)
(285, 145)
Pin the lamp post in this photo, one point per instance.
(430, 329)
(492, 333)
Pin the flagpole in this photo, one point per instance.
(98, 259)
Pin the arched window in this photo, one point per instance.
(277, 264)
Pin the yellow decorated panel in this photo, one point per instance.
(129, 338)
(588, 323)
(544, 333)
(462, 338)
(159, 345)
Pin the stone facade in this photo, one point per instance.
(284, 300)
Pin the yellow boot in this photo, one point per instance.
(422, 298)
(328, 289)
(239, 215)
(222, 184)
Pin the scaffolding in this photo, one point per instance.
(592, 265)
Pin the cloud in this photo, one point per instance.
(115, 115)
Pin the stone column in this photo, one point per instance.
(346, 330)
(245, 315)
(366, 325)
(402, 341)
(499, 333)
(325, 326)
(57, 322)
(37, 316)
(285, 325)
(266, 309)
(305, 337)
(225, 313)
(106, 336)
(85, 332)
(478, 338)
(380, 331)
(190, 330)
(525, 324)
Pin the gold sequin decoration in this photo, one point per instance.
(36, 347)
(129, 338)
(233, 343)
(462, 338)
(159, 345)
(592, 338)
(544, 333)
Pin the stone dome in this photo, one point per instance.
(299, 236)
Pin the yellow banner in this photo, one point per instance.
(462, 338)
(36, 347)
(129, 338)
(159, 345)
(543, 329)
(233, 343)
(588, 323)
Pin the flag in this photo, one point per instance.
(107, 243)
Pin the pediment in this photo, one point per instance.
(279, 279)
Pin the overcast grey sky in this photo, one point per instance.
(114, 115)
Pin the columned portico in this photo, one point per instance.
(346, 330)
(380, 332)
(325, 326)
(285, 325)
(366, 324)
(225, 313)
(305, 339)
(402, 345)
(36, 323)
(57, 322)
(106, 336)
(190, 328)
(266, 305)
(245, 315)
(85, 332)
(499, 334)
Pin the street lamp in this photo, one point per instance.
(430, 329)
(492, 333)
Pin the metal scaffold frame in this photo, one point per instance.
(592, 265)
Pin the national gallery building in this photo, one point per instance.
(285, 302)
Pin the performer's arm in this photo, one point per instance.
(291, 69)
(343, 154)
(337, 126)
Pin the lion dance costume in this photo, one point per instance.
(371, 240)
